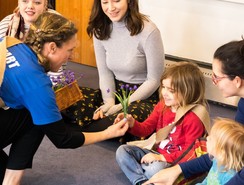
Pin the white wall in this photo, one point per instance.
(194, 29)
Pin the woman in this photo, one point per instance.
(27, 90)
(129, 50)
(228, 76)
(17, 24)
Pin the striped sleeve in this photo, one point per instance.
(4, 25)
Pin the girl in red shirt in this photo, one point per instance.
(182, 84)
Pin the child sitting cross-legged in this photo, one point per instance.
(182, 85)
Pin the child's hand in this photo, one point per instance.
(150, 157)
(130, 119)
(119, 117)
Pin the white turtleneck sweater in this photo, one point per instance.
(135, 59)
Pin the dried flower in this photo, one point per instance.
(126, 91)
(66, 78)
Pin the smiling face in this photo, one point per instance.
(169, 95)
(31, 9)
(227, 86)
(115, 9)
(59, 55)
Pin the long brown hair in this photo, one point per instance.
(188, 82)
(100, 25)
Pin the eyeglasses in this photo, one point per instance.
(216, 79)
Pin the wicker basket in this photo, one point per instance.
(68, 95)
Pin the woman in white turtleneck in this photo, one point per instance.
(129, 50)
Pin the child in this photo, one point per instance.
(182, 84)
(225, 144)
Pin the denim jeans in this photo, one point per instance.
(128, 157)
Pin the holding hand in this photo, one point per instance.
(112, 131)
(130, 119)
(165, 177)
(118, 129)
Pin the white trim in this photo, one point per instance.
(235, 1)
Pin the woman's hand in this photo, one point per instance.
(112, 131)
(130, 119)
(100, 112)
(166, 176)
(118, 129)
(114, 109)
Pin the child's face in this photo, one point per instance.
(169, 95)
(210, 145)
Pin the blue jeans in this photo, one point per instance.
(128, 157)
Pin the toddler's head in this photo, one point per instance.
(226, 142)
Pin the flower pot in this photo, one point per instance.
(68, 95)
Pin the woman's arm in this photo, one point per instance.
(166, 176)
(238, 179)
(169, 175)
(106, 76)
(196, 166)
(240, 111)
(154, 52)
(63, 137)
(112, 131)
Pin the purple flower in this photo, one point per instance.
(124, 97)
(66, 78)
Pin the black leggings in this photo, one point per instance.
(17, 129)
(81, 113)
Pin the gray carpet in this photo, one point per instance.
(88, 165)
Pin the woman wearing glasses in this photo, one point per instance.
(228, 76)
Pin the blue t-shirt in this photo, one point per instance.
(216, 176)
(26, 85)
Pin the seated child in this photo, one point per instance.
(182, 85)
(225, 145)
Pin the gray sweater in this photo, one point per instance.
(131, 59)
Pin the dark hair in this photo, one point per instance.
(101, 26)
(231, 56)
(49, 27)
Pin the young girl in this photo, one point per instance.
(182, 84)
(225, 144)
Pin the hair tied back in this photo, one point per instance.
(242, 46)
